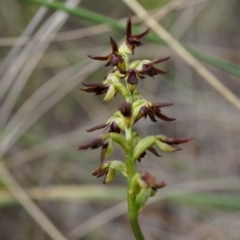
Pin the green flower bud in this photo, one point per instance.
(135, 64)
(135, 188)
(110, 93)
(142, 146)
(165, 147)
(125, 49)
(107, 149)
(138, 102)
(121, 89)
(118, 138)
(118, 119)
(153, 193)
(131, 87)
(110, 175)
(120, 166)
(142, 198)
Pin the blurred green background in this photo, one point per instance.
(43, 117)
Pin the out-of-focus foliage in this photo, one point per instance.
(44, 156)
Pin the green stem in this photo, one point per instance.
(133, 217)
(131, 198)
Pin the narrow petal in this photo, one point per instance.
(114, 45)
(129, 26)
(98, 172)
(114, 60)
(163, 117)
(114, 128)
(155, 71)
(158, 185)
(158, 60)
(104, 150)
(141, 35)
(154, 151)
(100, 126)
(177, 140)
(98, 142)
(160, 105)
(98, 84)
(151, 116)
(100, 58)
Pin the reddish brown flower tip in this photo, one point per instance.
(154, 110)
(150, 181)
(165, 118)
(151, 70)
(154, 151)
(171, 141)
(114, 58)
(133, 75)
(114, 127)
(160, 105)
(99, 172)
(99, 126)
(126, 109)
(159, 60)
(97, 88)
(141, 156)
(113, 45)
(100, 58)
(96, 143)
(133, 41)
(159, 185)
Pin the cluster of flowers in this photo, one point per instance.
(133, 109)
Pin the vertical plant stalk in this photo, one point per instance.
(131, 199)
(141, 185)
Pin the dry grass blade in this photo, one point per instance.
(199, 68)
(49, 28)
(54, 144)
(92, 30)
(24, 119)
(13, 186)
(18, 192)
(176, 190)
(18, 41)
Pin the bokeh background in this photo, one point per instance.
(43, 117)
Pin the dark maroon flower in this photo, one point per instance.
(133, 75)
(95, 143)
(106, 171)
(113, 127)
(150, 181)
(99, 172)
(151, 70)
(126, 109)
(175, 141)
(154, 111)
(114, 58)
(133, 41)
(97, 88)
